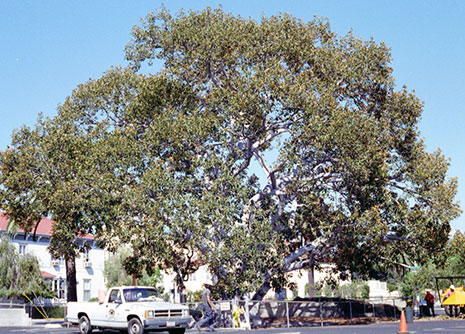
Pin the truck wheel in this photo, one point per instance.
(135, 326)
(84, 325)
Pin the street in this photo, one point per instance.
(417, 327)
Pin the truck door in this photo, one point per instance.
(97, 317)
(114, 316)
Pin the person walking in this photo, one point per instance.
(430, 302)
(208, 310)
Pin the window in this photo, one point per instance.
(86, 287)
(22, 249)
(56, 262)
(192, 277)
(85, 254)
(59, 286)
(114, 296)
(140, 294)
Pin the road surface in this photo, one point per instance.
(417, 327)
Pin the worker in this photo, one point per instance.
(453, 309)
(450, 292)
(430, 302)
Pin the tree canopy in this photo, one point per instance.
(347, 176)
(52, 170)
(258, 148)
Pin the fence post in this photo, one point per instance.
(247, 312)
(287, 313)
(350, 310)
(321, 311)
(373, 308)
(394, 306)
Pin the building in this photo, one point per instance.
(89, 266)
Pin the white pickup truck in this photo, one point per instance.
(134, 308)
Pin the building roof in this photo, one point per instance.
(46, 275)
(44, 226)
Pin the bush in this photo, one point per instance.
(52, 312)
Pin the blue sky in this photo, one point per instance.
(49, 47)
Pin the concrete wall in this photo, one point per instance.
(14, 317)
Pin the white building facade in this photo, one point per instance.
(89, 266)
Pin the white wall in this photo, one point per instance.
(94, 273)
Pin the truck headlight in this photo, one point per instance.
(150, 314)
(185, 313)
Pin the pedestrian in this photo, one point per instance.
(430, 302)
(208, 310)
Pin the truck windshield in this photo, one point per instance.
(140, 294)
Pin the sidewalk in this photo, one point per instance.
(51, 323)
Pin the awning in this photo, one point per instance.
(47, 275)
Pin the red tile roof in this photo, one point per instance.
(44, 226)
(46, 275)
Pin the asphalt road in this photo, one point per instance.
(417, 327)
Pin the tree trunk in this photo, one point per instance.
(71, 291)
(261, 292)
(311, 282)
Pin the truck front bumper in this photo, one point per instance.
(166, 323)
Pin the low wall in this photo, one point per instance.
(13, 317)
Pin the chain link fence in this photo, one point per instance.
(315, 312)
(46, 309)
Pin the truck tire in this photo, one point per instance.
(84, 325)
(135, 326)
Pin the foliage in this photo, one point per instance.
(116, 275)
(171, 163)
(409, 286)
(351, 183)
(54, 170)
(449, 262)
(354, 289)
(365, 291)
(20, 274)
(52, 312)
(455, 255)
(194, 296)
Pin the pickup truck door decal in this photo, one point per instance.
(111, 313)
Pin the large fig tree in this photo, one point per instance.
(258, 148)
(346, 177)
